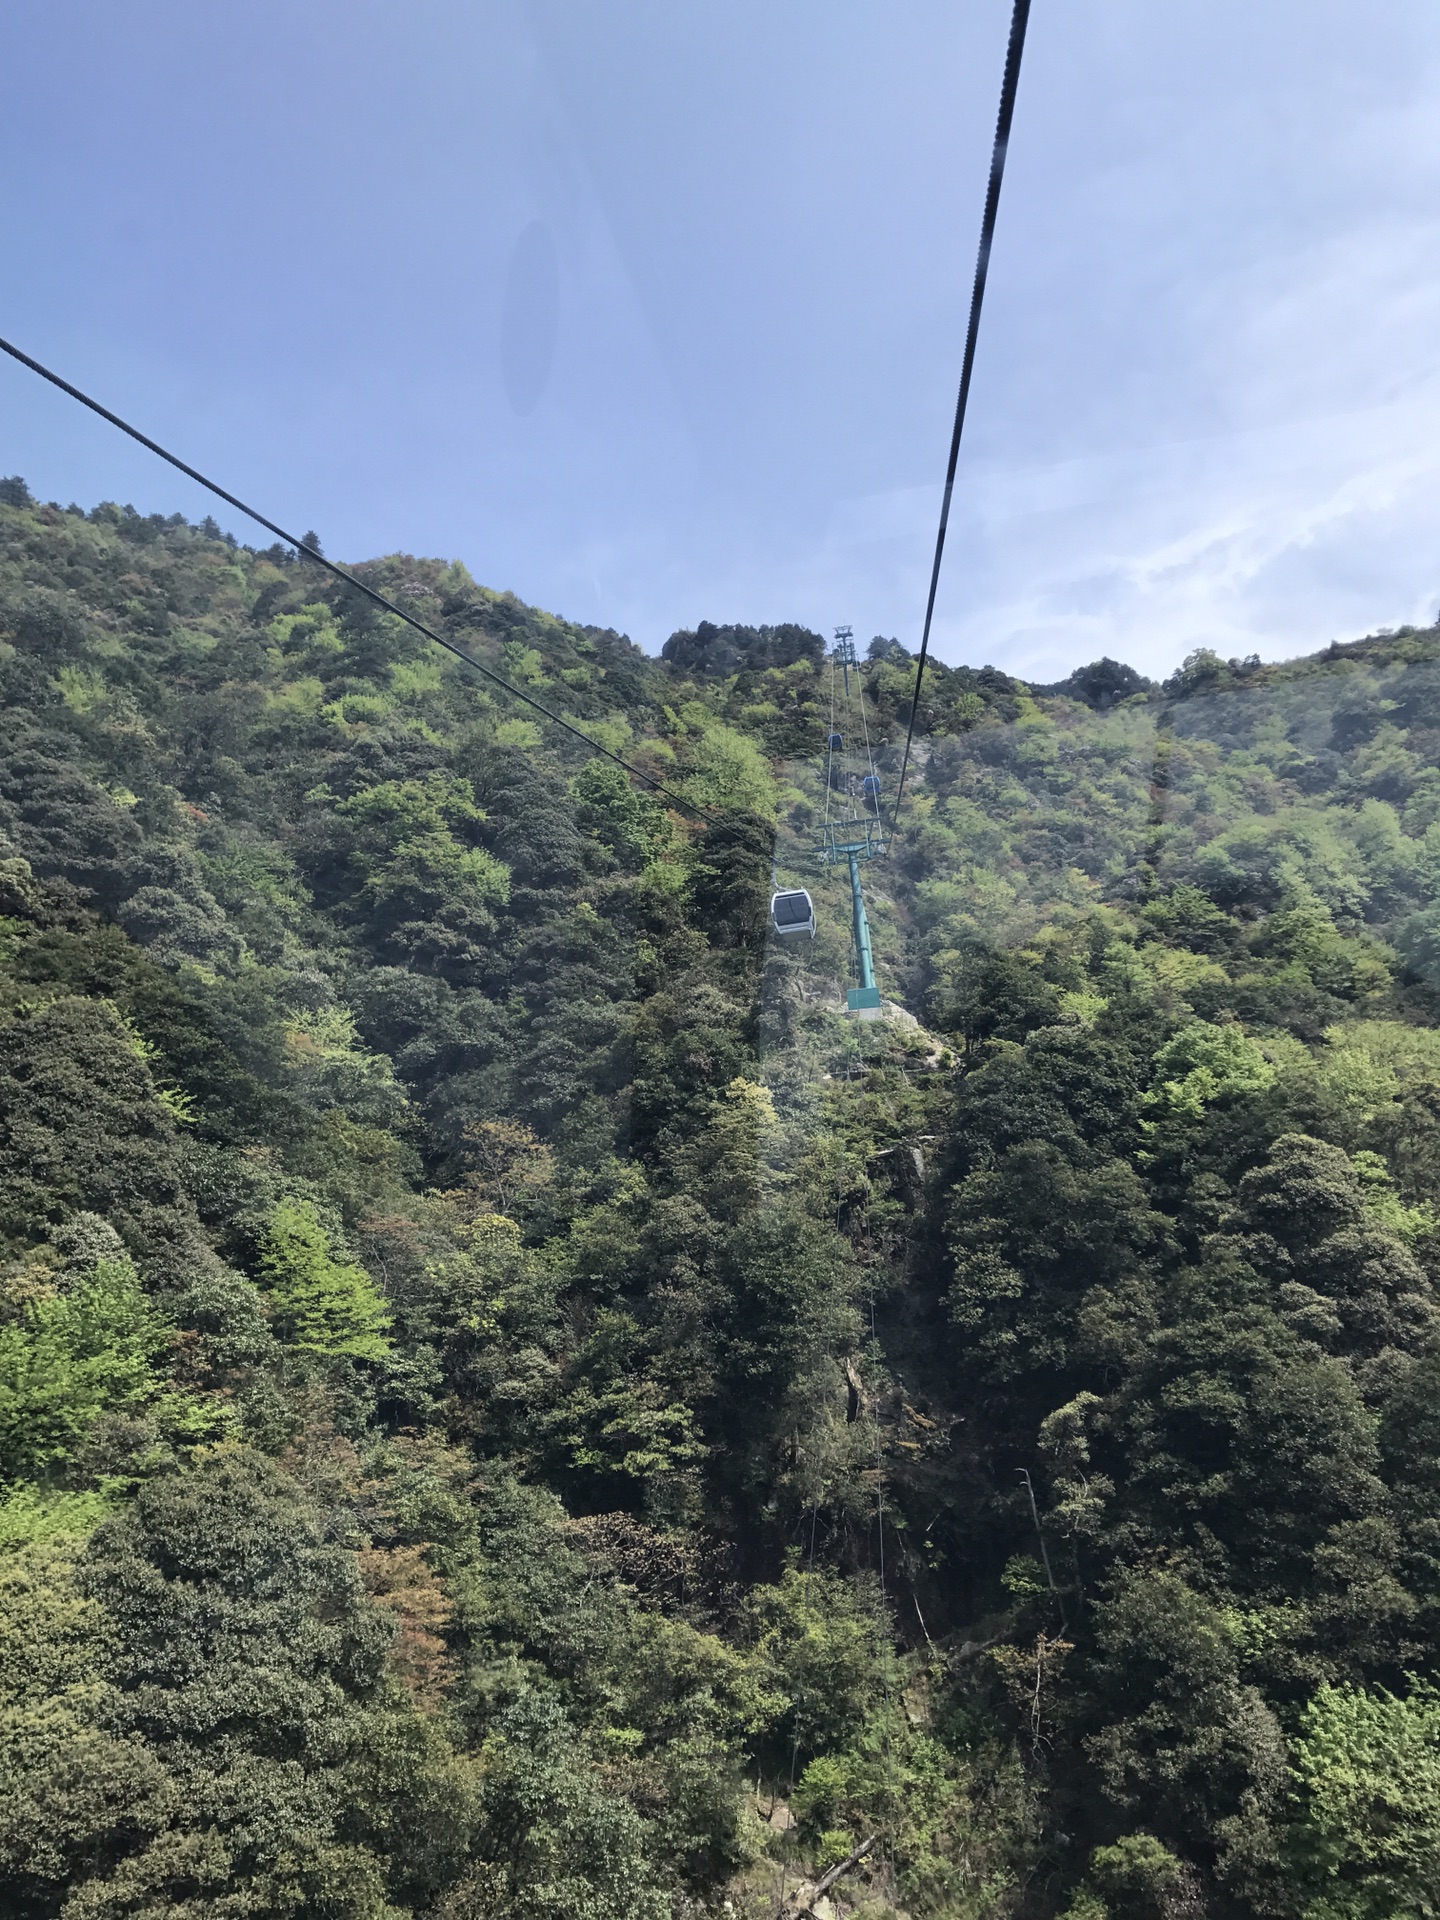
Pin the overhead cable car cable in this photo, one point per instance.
(870, 783)
(344, 573)
(830, 745)
(1008, 86)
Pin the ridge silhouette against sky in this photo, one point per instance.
(655, 313)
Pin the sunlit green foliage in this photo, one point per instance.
(1368, 1766)
(321, 1304)
(510, 1404)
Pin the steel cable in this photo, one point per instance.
(1008, 86)
(344, 573)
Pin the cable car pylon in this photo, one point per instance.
(852, 831)
(858, 836)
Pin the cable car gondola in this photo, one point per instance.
(870, 793)
(836, 775)
(792, 911)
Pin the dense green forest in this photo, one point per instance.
(512, 1404)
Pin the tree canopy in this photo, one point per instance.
(511, 1403)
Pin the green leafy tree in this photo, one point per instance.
(1368, 1771)
(1183, 1741)
(85, 1127)
(88, 1349)
(629, 822)
(71, 1776)
(322, 1303)
(553, 1844)
(246, 1669)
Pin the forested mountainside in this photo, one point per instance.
(511, 1403)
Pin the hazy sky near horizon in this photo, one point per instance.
(654, 312)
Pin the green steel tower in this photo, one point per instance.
(860, 837)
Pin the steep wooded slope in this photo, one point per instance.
(508, 1400)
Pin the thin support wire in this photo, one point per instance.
(343, 573)
(829, 748)
(886, 1648)
(864, 722)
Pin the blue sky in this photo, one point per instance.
(653, 312)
